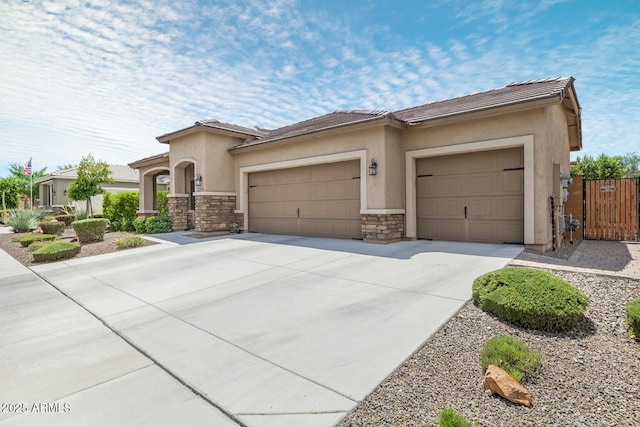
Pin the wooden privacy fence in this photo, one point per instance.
(611, 209)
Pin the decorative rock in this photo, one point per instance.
(496, 380)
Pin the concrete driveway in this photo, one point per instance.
(278, 330)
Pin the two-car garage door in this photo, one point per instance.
(474, 197)
(318, 200)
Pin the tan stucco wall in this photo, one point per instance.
(209, 153)
(147, 175)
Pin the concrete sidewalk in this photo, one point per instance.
(60, 366)
(618, 259)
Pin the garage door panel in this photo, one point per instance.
(318, 200)
(493, 196)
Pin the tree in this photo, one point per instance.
(631, 162)
(90, 175)
(9, 193)
(602, 167)
(61, 168)
(15, 171)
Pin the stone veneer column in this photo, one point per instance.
(382, 228)
(178, 210)
(214, 213)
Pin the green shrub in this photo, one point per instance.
(30, 238)
(121, 209)
(67, 219)
(56, 251)
(22, 221)
(158, 224)
(139, 224)
(533, 299)
(511, 355)
(130, 242)
(49, 218)
(52, 227)
(450, 418)
(40, 213)
(162, 202)
(632, 308)
(38, 244)
(90, 230)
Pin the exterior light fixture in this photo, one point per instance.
(373, 167)
(198, 180)
(53, 192)
(65, 192)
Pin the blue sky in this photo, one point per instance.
(106, 77)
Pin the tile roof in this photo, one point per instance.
(232, 127)
(327, 121)
(511, 94)
(118, 173)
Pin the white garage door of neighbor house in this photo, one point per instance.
(319, 200)
(473, 197)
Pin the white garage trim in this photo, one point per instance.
(307, 161)
(214, 193)
(525, 141)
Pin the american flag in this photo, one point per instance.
(26, 169)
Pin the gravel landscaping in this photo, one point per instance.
(590, 377)
(25, 257)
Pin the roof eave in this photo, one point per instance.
(166, 138)
(260, 143)
(488, 111)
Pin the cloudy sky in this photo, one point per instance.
(107, 76)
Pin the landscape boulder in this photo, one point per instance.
(496, 380)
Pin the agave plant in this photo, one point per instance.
(22, 221)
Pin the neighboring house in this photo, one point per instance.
(481, 168)
(53, 187)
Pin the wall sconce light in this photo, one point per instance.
(198, 180)
(373, 167)
(53, 192)
(65, 192)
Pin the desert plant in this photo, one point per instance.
(52, 227)
(632, 309)
(90, 230)
(30, 238)
(139, 224)
(158, 224)
(130, 242)
(56, 250)
(533, 299)
(22, 221)
(40, 214)
(450, 418)
(80, 214)
(511, 355)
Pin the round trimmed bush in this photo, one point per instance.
(52, 227)
(533, 299)
(56, 251)
(90, 230)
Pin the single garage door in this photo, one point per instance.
(319, 200)
(474, 197)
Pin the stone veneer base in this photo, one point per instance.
(387, 228)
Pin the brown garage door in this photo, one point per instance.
(474, 197)
(318, 200)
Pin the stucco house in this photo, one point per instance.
(53, 187)
(483, 167)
